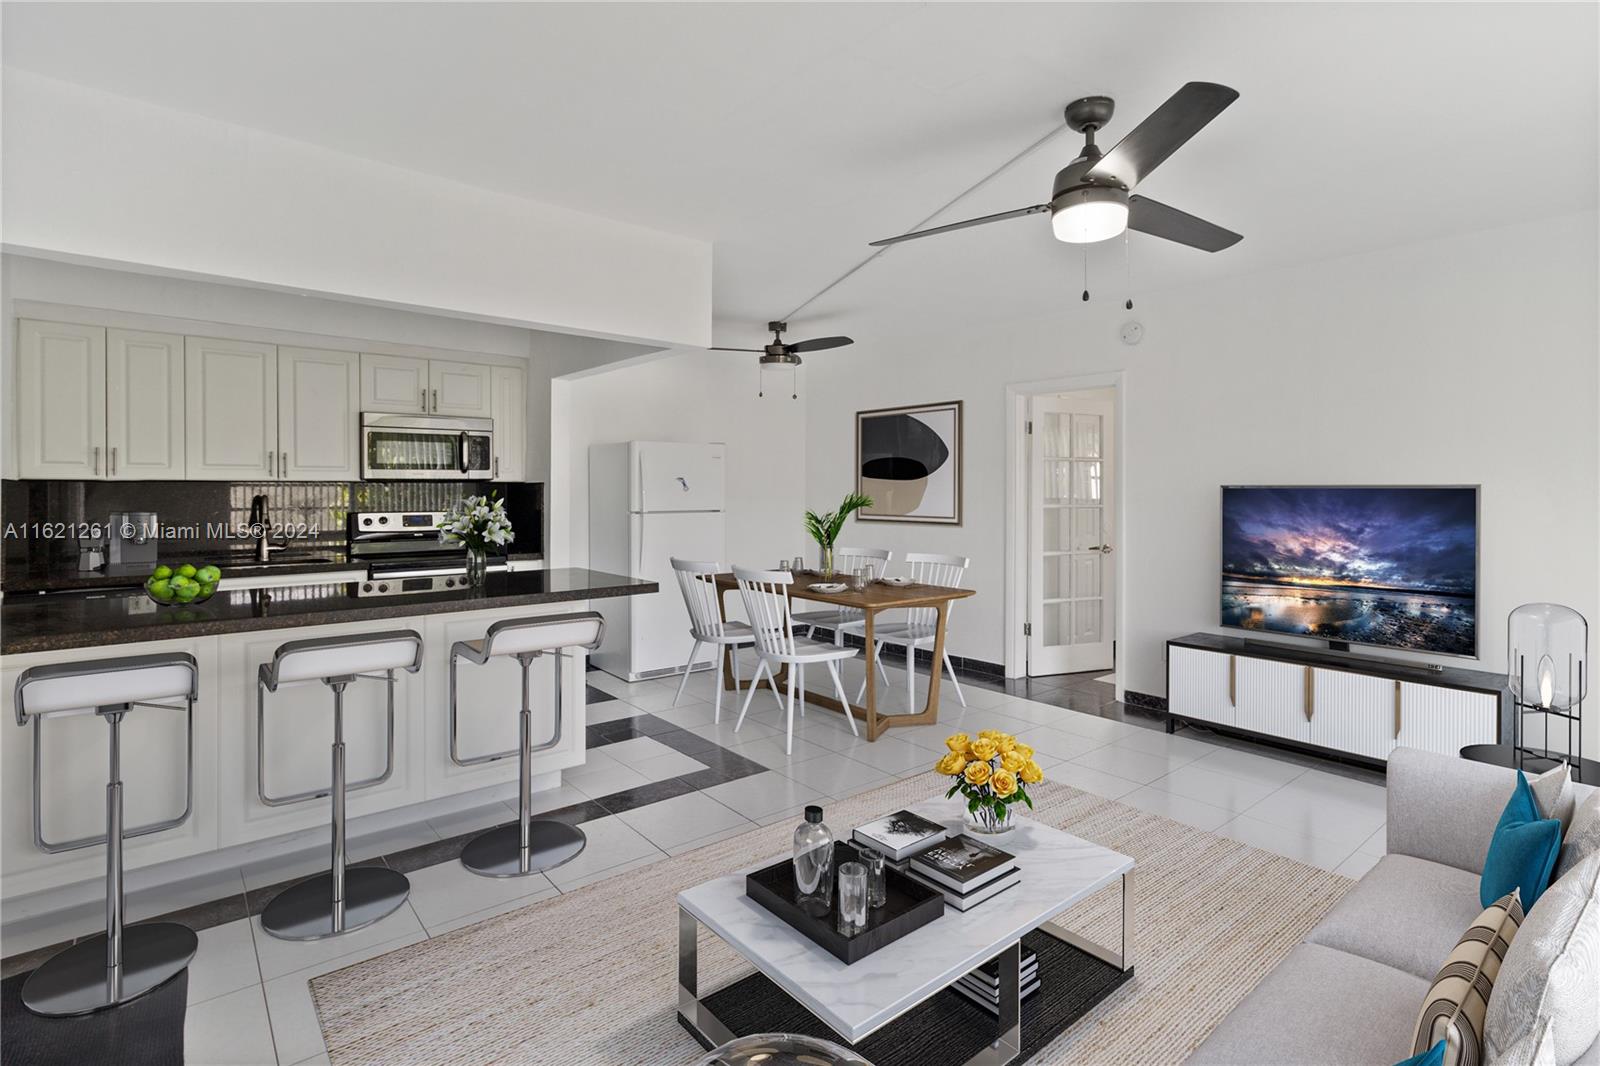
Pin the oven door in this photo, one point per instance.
(411, 448)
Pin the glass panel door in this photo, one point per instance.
(401, 450)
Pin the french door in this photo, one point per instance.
(1071, 609)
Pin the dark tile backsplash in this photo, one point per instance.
(203, 512)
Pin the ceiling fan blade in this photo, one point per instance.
(1159, 220)
(757, 351)
(1185, 114)
(1018, 213)
(819, 344)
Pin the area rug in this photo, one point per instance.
(591, 976)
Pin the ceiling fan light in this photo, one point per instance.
(1088, 214)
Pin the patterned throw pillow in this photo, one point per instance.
(1455, 1006)
(1551, 975)
(1583, 838)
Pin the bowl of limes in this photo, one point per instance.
(183, 585)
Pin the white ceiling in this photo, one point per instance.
(791, 134)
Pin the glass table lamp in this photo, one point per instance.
(1547, 664)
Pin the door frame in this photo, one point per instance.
(1018, 396)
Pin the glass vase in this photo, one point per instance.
(985, 821)
(827, 560)
(477, 567)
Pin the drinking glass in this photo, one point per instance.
(877, 878)
(783, 564)
(799, 564)
(860, 578)
(852, 898)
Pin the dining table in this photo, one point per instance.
(873, 600)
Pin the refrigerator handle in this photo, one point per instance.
(643, 506)
(643, 525)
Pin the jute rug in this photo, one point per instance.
(591, 976)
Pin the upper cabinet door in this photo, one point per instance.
(231, 401)
(144, 406)
(61, 400)
(510, 394)
(394, 384)
(319, 395)
(459, 389)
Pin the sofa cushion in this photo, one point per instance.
(1320, 1007)
(1523, 851)
(1457, 1002)
(1406, 913)
(1583, 836)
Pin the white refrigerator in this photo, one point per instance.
(651, 501)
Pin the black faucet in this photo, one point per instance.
(261, 529)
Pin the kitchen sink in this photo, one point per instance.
(278, 562)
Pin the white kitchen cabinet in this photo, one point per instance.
(459, 389)
(319, 414)
(1201, 684)
(394, 384)
(1272, 698)
(1353, 712)
(61, 400)
(510, 400)
(145, 417)
(231, 404)
(1446, 720)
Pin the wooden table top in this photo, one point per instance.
(876, 596)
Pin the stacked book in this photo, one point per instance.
(900, 836)
(965, 871)
(982, 985)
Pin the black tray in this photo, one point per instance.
(909, 906)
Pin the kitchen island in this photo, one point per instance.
(237, 753)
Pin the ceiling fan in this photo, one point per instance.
(780, 354)
(1090, 199)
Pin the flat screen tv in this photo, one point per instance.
(1393, 566)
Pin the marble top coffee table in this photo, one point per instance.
(1058, 870)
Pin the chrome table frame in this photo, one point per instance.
(711, 1031)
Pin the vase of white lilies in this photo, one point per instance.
(477, 522)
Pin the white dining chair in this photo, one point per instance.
(921, 627)
(766, 602)
(698, 582)
(842, 620)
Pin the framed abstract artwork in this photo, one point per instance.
(908, 459)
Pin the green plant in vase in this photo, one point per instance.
(825, 528)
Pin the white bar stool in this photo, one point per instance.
(528, 846)
(343, 899)
(124, 963)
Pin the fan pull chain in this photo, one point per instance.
(1085, 273)
(1127, 271)
(794, 390)
(761, 379)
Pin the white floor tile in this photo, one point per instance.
(1134, 765)
(1063, 745)
(1095, 727)
(1291, 843)
(652, 697)
(603, 779)
(1376, 844)
(449, 890)
(1217, 789)
(608, 711)
(464, 920)
(1325, 805)
(295, 1028)
(722, 732)
(789, 815)
(636, 750)
(836, 776)
(683, 818)
(1101, 784)
(688, 714)
(550, 799)
(765, 794)
(225, 961)
(612, 842)
(700, 842)
(313, 858)
(1357, 865)
(573, 882)
(230, 1030)
(890, 755)
(768, 751)
(1251, 767)
(672, 764)
(279, 957)
(1178, 808)
(471, 821)
(1156, 742)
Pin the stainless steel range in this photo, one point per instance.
(404, 554)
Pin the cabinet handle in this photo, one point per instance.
(271, 456)
(283, 464)
(424, 400)
(497, 468)
(97, 460)
(435, 401)
(1397, 710)
(112, 468)
(1233, 680)
(1311, 694)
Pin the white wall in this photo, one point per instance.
(1467, 360)
(692, 396)
(104, 177)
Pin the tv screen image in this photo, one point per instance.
(1390, 566)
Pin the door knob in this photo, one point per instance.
(1103, 549)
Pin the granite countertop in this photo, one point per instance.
(89, 619)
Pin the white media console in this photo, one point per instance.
(1330, 701)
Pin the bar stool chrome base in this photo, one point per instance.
(77, 982)
(498, 852)
(306, 911)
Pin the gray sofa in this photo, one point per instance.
(1352, 991)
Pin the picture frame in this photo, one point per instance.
(909, 460)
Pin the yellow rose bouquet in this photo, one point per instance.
(993, 771)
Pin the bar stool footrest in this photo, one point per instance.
(498, 852)
(74, 982)
(305, 911)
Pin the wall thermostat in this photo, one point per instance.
(1132, 332)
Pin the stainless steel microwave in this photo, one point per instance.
(426, 448)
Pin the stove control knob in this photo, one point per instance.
(366, 586)
(366, 521)
(383, 588)
(449, 582)
(384, 520)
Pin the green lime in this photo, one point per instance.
(208, 589)
(158, 586)
(188, 592)
(208, 575)
(161, 571)
(187, 570)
